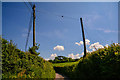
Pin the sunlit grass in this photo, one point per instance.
(65, 64)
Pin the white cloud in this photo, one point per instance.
(77, 56)
(81, 42)
(93, 49)
(86, 51)
(106, 45)
(87, 42)
(82, 53)
(116, 43)
(47, 59)
(52, 57)
(96, 45)
(59, 48)
(106, 30)
(77, 43)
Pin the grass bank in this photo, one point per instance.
(65, 64)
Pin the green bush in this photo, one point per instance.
(101, 64)
(19, 64)
(66, 70)
(33, 49)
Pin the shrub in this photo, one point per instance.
(33, 49)
(19, 64)
(101, 64)
(66, 70)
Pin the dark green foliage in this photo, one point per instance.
(62, 59)
(66, 70)
(19, 64)
(101, 64)
(33, 49)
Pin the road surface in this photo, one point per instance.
(60, 77)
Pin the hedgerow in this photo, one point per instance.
(66, 70)
(101, 64)
(19, 64)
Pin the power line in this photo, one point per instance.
(30, 3)
(68, 17)
(27, 7)
(100, 38)
(64, 16)
(29, 29)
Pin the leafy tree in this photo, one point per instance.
(62, 59)
(33, 49)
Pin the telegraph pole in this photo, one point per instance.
(34, 24)
(83, 38)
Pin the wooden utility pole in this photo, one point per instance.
(34, 24)
(83, 37)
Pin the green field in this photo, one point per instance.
(65, 64)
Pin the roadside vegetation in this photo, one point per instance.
(20, 64)
(63, 59)
(65, 64)
(101, 64)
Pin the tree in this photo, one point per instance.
(33, 49)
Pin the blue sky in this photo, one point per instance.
(100, 21)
